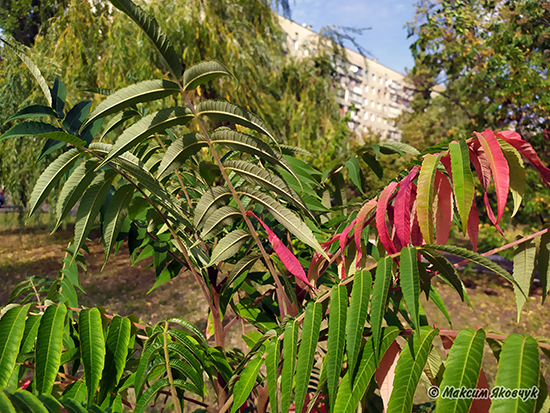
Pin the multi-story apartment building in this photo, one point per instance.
(372, 93)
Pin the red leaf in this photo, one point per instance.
(343, 245)
(446, 161)
(288, 258)
(491, 214)
(381, 218)
(385, 372)
(444, 208)
(364, 212)
(473, 225)
(403, 208)
(481, 164)
(527, 151)
(499, 168)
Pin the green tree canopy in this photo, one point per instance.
(93, 46)
(491, 61)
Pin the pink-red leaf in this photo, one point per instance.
(444, 208)
(288, 259)
(403, 208)
(499, 168)
(481, 164)
(381, 225)
(424, 197)
(527, 151)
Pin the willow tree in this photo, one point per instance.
(91, 47)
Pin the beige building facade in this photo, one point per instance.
(371, 93)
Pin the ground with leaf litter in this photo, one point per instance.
(123, 289)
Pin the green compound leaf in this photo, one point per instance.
(146, 91)
(286, 217)
(203, 72)
(116, 213)
(336, 336)
(34, 70)
(267, 180)
(518, 368)
(272, 365)
(49, 346)
(290, 344)
(179, 151)
(91, 202)
(118, 339)
(27, 402)
(409, 369)
(381, 288)
(157, 122)
(244, 386)
(220, 219)
(229, 246)
(34, 111)
(463, 181)
(12, 327)
(461, 369)
(306, 353)
(357, 314)
(224, 111)
(92, 348)
(76, 184)
(151, 28)
(410, 283)
(30, 128)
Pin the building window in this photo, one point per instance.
(373, 91)
(366, 117)
(372, 103)
(373, 77)
(372, 118)
(366, 89)
(366, 102)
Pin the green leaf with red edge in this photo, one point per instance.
(343, 244)
(362, 216)
(499, 168)
(473, 225)
(424, 198)
(543, 263)
(288, 259)
(381, 225)
(517, 173)
(524, 266)
(444, 209)
(525, 148)
(402, 214)
(463, 181)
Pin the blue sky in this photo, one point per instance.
(387, 40)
